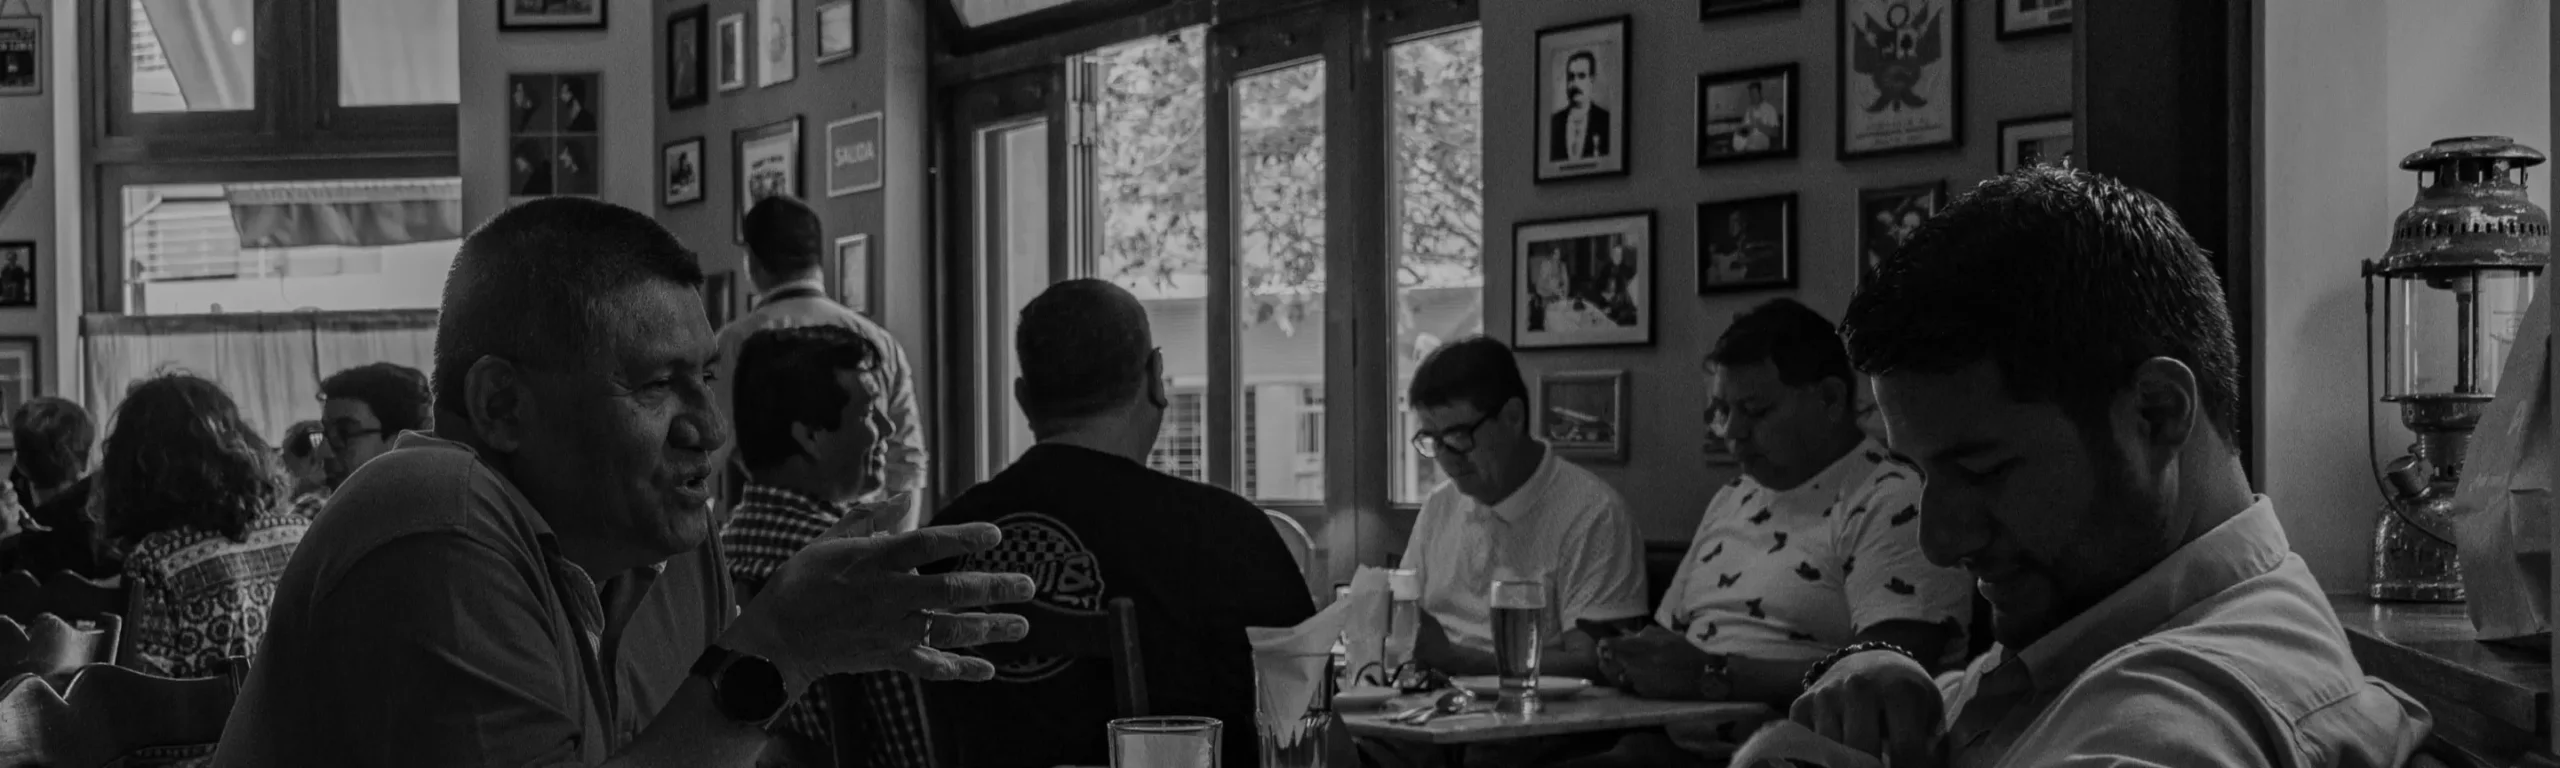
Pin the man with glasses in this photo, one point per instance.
(1511, 509)
(363, 409)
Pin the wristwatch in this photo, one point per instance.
(746, 687)
(1716, 683)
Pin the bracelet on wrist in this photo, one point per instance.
(1814, 673)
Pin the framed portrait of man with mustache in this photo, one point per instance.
(1901, 76)
(1582, 100)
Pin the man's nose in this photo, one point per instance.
(1953, 524)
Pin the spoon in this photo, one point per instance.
(1450, 703)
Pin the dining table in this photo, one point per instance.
(1593, 710)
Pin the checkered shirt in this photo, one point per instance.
(770, 525)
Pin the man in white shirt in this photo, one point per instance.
(1761, 122)
(1815, 548)
(1511, 509)
(2057, 355)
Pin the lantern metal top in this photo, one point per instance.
(2472, 213)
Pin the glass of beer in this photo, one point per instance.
(1165, 742)
(1519, 626)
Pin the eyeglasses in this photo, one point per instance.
(341, 433)
(1456, 440)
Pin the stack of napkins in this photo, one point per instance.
(1291, 660)
(1784, 744)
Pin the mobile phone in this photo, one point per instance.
(1599, 630)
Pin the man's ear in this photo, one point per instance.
(806, 437)
(1156, 385)
(2164, 405)
(1836, 394)
(501, 402)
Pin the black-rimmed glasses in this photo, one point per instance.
(1456, 440)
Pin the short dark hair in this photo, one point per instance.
(787, 376)
(1083, 346)
(1799, 342)
(54, 437)
(784, 236)
(532, 284)
(179, 456)
(1583, 56)
(1476, 370)
(2066, 281)
(396, 393)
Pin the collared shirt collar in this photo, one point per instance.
(2239, 549)
(1526, 498)
(810, 283)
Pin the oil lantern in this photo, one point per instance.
(2456, 281)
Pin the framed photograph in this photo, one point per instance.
(1901, 76)
(853, 273)
(22, 53)
(2031, 18)
(531, 101)
(576, 162)
(1887, 216)
(1583, 282)
(2029, 141)
(551, 14)
(1582, 100)
(16, 169)
(720, 298)
(836, 31)
(680, 172)
(777, 34)
(1710, 9)
(580, 103)
(853, 155)
(21, 376)
(18, 262)
(731, 35)
(1583, 414)
(1747, 245)
(689, 57)
(1747, 115)
(768, 163)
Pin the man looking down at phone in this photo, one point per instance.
(1813, 550)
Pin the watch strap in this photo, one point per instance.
(1814, 673)
(743, 699)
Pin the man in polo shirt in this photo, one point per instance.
(810, 429)
(535, 582)
(2057, 355)
(1510, 508)
(1816, 547)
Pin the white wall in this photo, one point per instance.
(48, 125)
(625, 52)
(2346, 89)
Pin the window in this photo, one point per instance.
(278, 247)
(1149, 184)
(1178, 448)
(1436, 118)
(1280, 270)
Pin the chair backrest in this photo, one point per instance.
(108, 713)
(1301, 546)
(24, 595)
(21, 595)
(1109, 638)
(50, 646)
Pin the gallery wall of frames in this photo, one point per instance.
(1667, 165)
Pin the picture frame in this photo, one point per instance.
(1584, 281)
(1894, 102)
(23, 63)
(680, 172)
(1583, 414)
(1747, 114)
(2033, 18)
(855, 279)
(688, 47)
(21, 377)
(777, 42)
(1747, 244)
(2038, 140)
(1582, 106)
(854, 152)
(729, 35)
(1717, 9)
(838, 30)
(720, 298)
(554, 134)
(767, 162)
(537, 15)
(21, 265)
(1887, 216)
(17, 172)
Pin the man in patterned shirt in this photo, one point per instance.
(810, 430)
(1816, 547)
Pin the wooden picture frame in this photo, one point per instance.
(1747, 244)
(729, 37)
(680, 173)
(21, 274)
(777, 32)
(1886, 216)
(766, 161)
(1900, 77)
(1717, 9)
(857, 274)
(24, 56)
(517, 16)
(2033, 18)
(1583, 414)
(2036, 141)
(688, 49)
(1584, 281)
(839, 28)
(1589, 59)
(1731, 127)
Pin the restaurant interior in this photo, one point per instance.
(1346, 222)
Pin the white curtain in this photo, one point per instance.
(270, 363)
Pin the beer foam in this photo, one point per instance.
(1519, 595)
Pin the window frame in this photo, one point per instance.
(105, 272)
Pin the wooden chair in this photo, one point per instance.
(108, 714)
(23, 595)
(50, 646)
(1110, 638)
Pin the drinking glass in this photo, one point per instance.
(1519, 626)
(1165, 742)
(1308, 748)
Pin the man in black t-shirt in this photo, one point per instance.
(1089, 522)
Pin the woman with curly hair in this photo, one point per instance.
(200, 499)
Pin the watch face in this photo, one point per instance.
(749, 688)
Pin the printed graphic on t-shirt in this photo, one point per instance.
(1067, 576)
